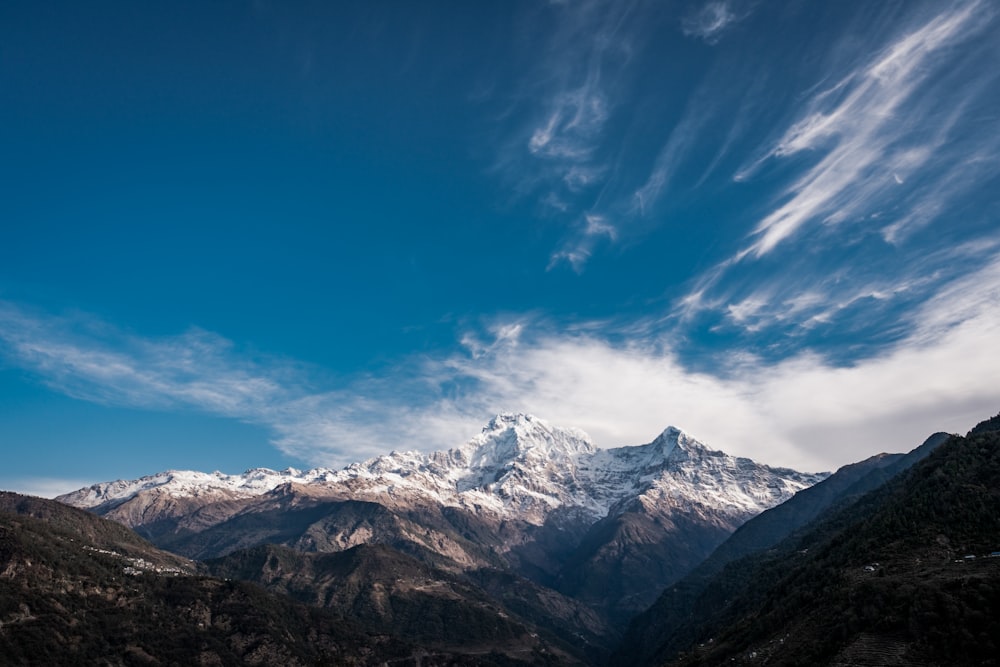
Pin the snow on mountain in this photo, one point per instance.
(518, 467)
(192, 484)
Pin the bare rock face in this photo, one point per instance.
(609, 526)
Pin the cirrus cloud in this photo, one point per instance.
(804, 412)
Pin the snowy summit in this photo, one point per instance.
(519, 467)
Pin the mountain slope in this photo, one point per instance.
(92, 533)
(886, 577)
(78, 589)
(522, 491)
(666, 626)
(394, 593)
(609, 526)
(324, 525)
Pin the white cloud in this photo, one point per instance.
(556, 146)
(598, 225)
(575, 118)
(579, 177)
(809, 303)
(803, 412)
(894, 144)
(578, 249)
(866, 303)
(676, 149)
(712, 20)
(197, 370)
(748, 308)
(576, 256)
(869, 123)
(87, 359)
(569, 89)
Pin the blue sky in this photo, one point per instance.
(245, 234)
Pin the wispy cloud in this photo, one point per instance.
(803, 411)
(676, 149)
(576, 251)
(888, 148)
(568, 133)
(871, 130)
(87, 359)
(891, 129)
(842, 310)
(592, 167)
(711, 21)
(568, 93)
(558, 147)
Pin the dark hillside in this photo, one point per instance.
(71, 523)
(394, 593)
(77, 589)
(904, 574)
(64, 601)
(668, 626)
(991, 424)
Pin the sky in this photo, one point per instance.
(248, 234)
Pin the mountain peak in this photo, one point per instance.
(674, 443)
(509, 436)
(517, 466)
(505, 420)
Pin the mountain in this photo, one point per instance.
(986, 426)
(518, 468)
(92, 534)
(396, 594)
(667, 626)
(610, 527)
(901, 576)
(78, 589)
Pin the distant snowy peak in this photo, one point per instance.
(512, 438)
(519, 467)
(508, 436)
(190, 483)
(529, 427)
(681, 471)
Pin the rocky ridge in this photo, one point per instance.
(518, 468)
(606, 527)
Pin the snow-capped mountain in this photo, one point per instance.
(518, 468)
(608, 527)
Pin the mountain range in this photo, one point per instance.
(526, 545)
(607, 527)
